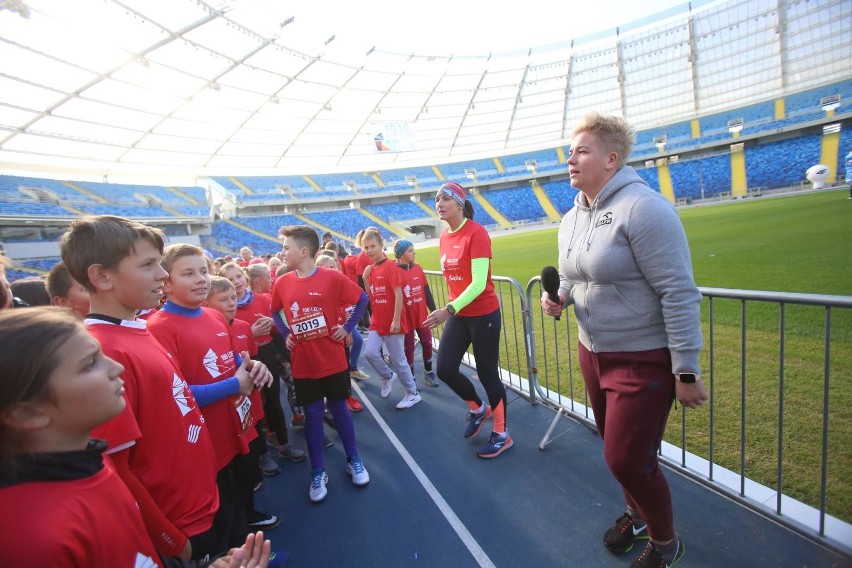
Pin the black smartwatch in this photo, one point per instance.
(687, 378)
(450, 309)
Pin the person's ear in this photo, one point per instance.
(612, 160)
(100, 277)
(60, 302)
(27, 416)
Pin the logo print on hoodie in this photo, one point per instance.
(605, 220)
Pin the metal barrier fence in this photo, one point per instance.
(774, 434)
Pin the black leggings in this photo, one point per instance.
(272, 410)
(483, 332)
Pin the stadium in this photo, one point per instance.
(220, 122)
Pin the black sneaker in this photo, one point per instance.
(263, 521)
(619, 537)
(651, 557)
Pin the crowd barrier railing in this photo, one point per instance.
(774, 433)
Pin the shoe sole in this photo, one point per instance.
(352, 477)
(481, 424)
(629, 548)
(502, 449)
(294, 459)
(268, 473)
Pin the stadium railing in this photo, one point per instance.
(538, 363)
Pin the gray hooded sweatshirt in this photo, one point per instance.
(624, 263)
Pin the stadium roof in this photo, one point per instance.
(228, 87)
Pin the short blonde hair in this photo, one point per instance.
(615, 133)
(179, 250)
(219, 284)
(256, 271)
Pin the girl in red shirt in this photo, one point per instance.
(471, 318)
(384, 283)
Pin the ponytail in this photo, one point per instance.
(468, 210)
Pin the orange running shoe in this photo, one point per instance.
(354, 405)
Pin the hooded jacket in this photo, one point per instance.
(624, 263)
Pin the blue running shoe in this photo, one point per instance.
(497, 444)
(475, 421)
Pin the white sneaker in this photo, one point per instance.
(387, 384)
(409, 400)
(356, 470)
(318, 492)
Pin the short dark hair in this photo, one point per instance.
(104, 240)
(32, 290)
(59, 281)
(305, 235)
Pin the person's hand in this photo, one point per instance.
(348, 340)
(395, 327)
(263, 326)
(436, 318)
(260, 375)
(550, 307)
(291, 343)
(691, 395)
(253, 554)
(244, 377)
(338, 333)
(367, 271)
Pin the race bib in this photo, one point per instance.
(242, 404)
(310, 326)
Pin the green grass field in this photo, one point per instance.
(797, 243)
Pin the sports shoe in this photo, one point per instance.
(326, 442)
(262, 521)
(497, 444)
(298, 421)
(288, 451)
(431, 378)
(257, 486)
(387, 384)
(318, 492)
(475, 421)
(356, 470)
(409, 400)
(358, 375)
(278, 558)
(620, 536)
(354, 405)
(651, 557)
(268, 465)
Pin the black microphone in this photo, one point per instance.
(550, 283)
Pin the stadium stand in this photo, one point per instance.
(400, 211)
(781, 163)
(346, 222)
(650, 176)
(516, 204)
(561, 194)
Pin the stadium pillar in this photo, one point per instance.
(739, 184)
(666, 187)
(828, 153)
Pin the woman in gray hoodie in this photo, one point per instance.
(624, 263)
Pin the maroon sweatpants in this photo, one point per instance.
(631, 395)
(425, 335)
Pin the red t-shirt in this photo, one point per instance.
(385, 277)
(457, 249)
(260, 306)
(347, 265)
(311, 307)
(414, 296)
(362, 261)
(173, 454)
(244, 341)
(204, 351)
(92, 521)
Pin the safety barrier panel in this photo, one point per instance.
(774, 434)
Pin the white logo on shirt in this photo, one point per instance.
(407, 291)
(194, 432)
(178, 392)
(294, 309)
(314, 294)
(210, 363)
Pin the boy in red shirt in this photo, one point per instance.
(418, 303)
(384, 281)
(160, 443)
(310, 299)
(201, 342)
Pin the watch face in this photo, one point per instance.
(687, 378)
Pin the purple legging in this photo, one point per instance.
(314, 433)
(355, 350)
(425, 335)
(631, 395)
